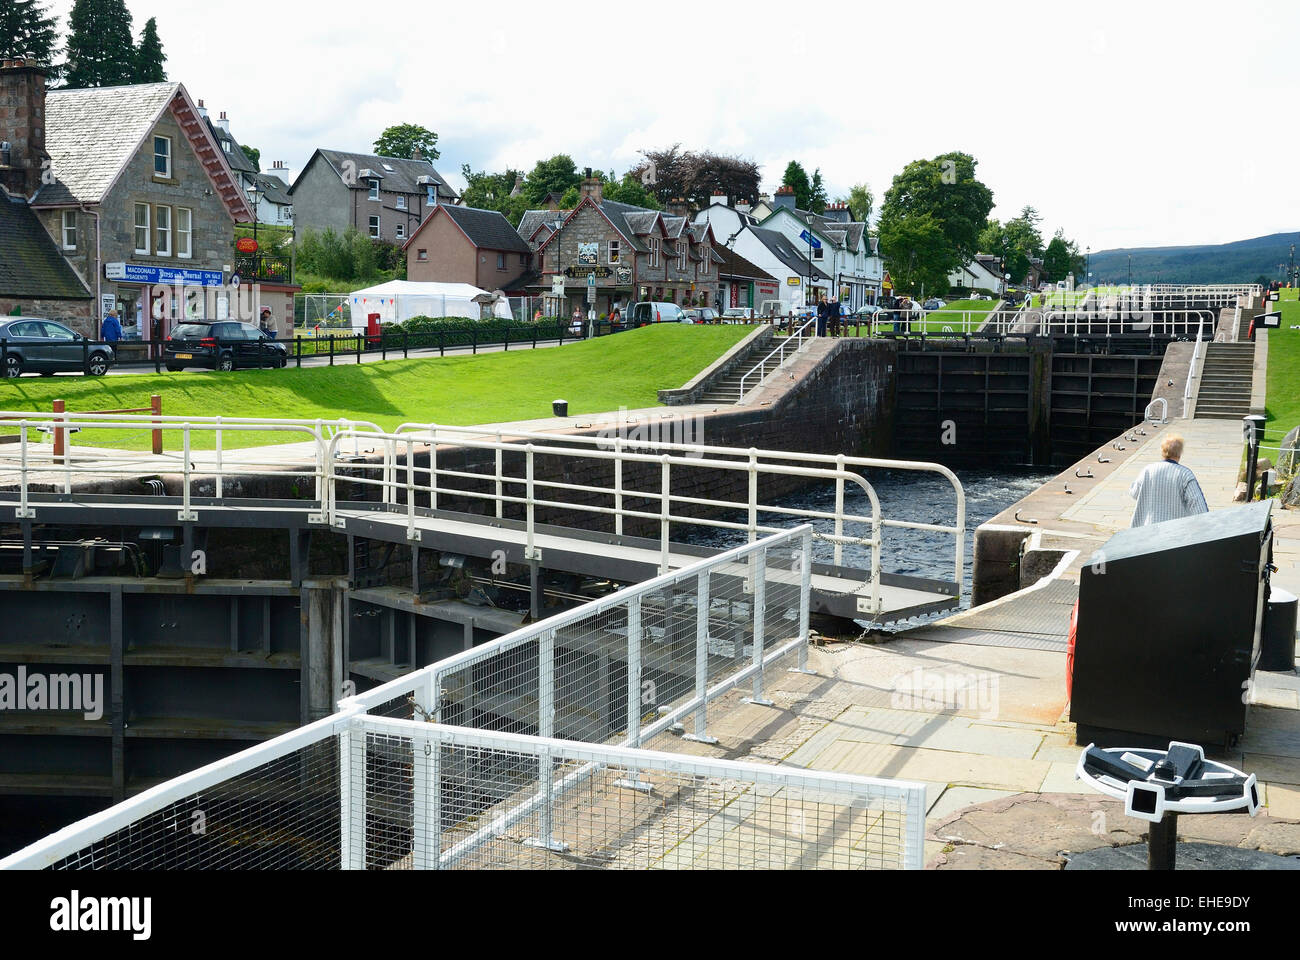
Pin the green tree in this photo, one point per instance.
(254, 155)
(493, 191)
(1056, 259)
(917, 252)
(149, 56)
(817, 198)
(28, 31)
(796, 178)
(860, 202)
(100, 50)
(1022, 242)
(402, 140)
(629, 190)
(555, 175)
(944, 188)
(570, 199)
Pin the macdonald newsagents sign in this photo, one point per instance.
(170, 276)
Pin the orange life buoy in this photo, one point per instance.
(1069, 651)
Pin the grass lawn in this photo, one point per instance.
(1282, 401)
(624, 370)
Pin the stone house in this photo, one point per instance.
(132, 189)
(384, 198)
(458, 244)
(629, 253)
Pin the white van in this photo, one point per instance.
(655, 311)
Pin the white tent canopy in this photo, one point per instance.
(399, 300)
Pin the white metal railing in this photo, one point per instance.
(1161, 404)
(1119, 321)
(462, 790)
(1192, 371)
(839, 470)
(784, 351)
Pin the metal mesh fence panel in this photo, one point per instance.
(282, 815)
(531, 803)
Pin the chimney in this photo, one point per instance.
(784, 198)
(223, 123)
(743, 208)
(519, 185)
(719, 198)
(278, 169)
(203, 111)
(837, 212)
(592, 187)
(676, 207)
(22, 126)
(416, 154)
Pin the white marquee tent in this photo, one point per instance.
(399, 300)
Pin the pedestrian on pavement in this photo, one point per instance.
(615, 318)
(1167, 490)
(268, 323)
(835, 314)
(110, 330)
(576, 324)
(822, 314)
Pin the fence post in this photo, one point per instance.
(500, 488)
(186, 515)
(331, 340)
(474, 334)
(633, 779)
(155, 406)
(411, 532)
(758, 568)
(352, 796)
(839, 509)
(701, 734)
(753, 494)
(58, 407)
(546, 728)
(24, 512)
(406, 344)
(665, 496)
(360, 345)
(528, 501)
(219, 466)
(155, 346)
(805, 600)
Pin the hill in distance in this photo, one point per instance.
(1242, 261)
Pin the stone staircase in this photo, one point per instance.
(725, 388)
(1226, 381)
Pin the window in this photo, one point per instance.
(421, 254)
(704, 265)
(684, 254)
(818, 253)
(374, 227)
(400, 230)
(374, 189)
(429, 196)
(501, 261)
(654, 251)
(163, 230)
(613, 251)
(69, 229)
(142, 228)
(225, 145)
(184, 233)
(162, 157)
(401, 201)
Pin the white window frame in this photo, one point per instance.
(70, 228)
(375, 228)
(422, 255)
(374, 188)
(501, 261)
(401, 201)
(184, 233)
(653, 243)
(146, 227)
(704, 263)
(431, 194)
(684, 258)
(819, 253)
(613, 251)
(163, 230)
(399, 231)
(166, 155)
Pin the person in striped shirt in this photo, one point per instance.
(1166, 490)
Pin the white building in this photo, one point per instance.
(726, 221)
(841, 247)
(273, 203)
(799, 282)
(981, 273)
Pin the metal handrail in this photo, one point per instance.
(1191, 370)
(795, 335)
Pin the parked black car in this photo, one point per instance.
(34, 345)
(222, 345)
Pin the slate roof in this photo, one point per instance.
(30, 264)
(90, 134)
(532, 219)
(235, 156)
(394, 173)
(734, 265)
(487, 229)
(780, 247)
(630, 221)
(273, 188)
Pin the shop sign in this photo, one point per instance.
(136, 273)
(588, 254)
(581, 273)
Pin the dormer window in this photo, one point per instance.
(653, 243)
(374, 189)
(704, 267)
(429, 197)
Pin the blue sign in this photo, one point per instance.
(135, 273)
(809, 239)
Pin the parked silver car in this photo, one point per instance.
(36, 345)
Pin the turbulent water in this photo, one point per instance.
(915, 497)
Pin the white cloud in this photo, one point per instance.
(1125, 123)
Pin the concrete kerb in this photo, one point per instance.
(1259, 373)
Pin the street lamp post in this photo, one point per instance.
(253, 193)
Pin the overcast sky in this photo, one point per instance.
(1131, 123)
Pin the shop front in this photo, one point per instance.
(151, 300)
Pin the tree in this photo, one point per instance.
(917, 252)
(254, 155)
(149, 56)
(629, 190)
(695, 176)
(860, 202)
(28, 31)
(402, 140)
(796, 178)
(942, 192)
(570, 199)
(100, 50)
(1056, 259)
(817, 194)
(555, 175)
